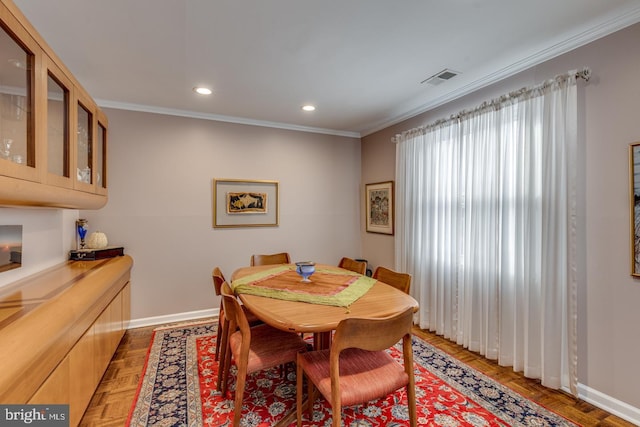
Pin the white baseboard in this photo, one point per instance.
(609, 404)
(601, 400)
(172, 318)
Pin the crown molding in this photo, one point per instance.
(626, 18)
(103, 103)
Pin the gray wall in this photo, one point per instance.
(160, 202)
(609, 120)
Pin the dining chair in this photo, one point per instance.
(357, 368)
(398, 280)
(253, 348)
(353, 265)
(223, 323)
(268, 259)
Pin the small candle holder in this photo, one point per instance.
(82, 226)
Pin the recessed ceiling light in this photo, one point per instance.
(308, 107)
(202, 90)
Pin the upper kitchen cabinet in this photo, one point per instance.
(101, 154)
(53, 136)
(57, 131)
(19, 54)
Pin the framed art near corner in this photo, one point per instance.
(634, 205)
(379, 209)
(245, 203)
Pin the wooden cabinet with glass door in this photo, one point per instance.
(100, 157)
(53, 137)
(59, 89)
(20, 59)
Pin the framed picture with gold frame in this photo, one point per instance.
(379, 207)
(245, 203)
(634, 206)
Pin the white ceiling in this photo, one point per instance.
(359, 61)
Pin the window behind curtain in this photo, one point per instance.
(484, 226)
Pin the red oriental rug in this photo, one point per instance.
(178, 389)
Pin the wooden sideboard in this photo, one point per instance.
(59, 329)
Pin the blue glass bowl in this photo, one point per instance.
(305, 269)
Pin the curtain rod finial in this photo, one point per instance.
(585, 73)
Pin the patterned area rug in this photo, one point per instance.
(178, 389)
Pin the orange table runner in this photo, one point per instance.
(328, 286)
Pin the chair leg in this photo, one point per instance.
(223, 374)
(311, 397)
(407, 351)
(217, 357)
(240, 384)
(299, 375)
(411, 401)
(224, 343)
(220, 332)
(336, 411)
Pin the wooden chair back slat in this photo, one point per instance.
(398, 280)
(268, 259)
(353, 265)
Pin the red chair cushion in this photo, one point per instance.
(269, 347)
(364, 375)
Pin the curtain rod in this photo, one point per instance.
(496, 103)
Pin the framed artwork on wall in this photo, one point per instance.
(11, 243)
(245, 203)
(379, 207)
(634, 205)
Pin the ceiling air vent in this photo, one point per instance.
(440, 77)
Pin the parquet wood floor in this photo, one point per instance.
(113, 398)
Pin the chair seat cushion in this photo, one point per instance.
(364, 375)
(269, 347)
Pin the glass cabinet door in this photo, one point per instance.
(16, 99)
(57, 127)
(101, 158)
(84, 147)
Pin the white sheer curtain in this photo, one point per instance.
(485, 223)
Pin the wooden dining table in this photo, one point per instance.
(380, 300)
